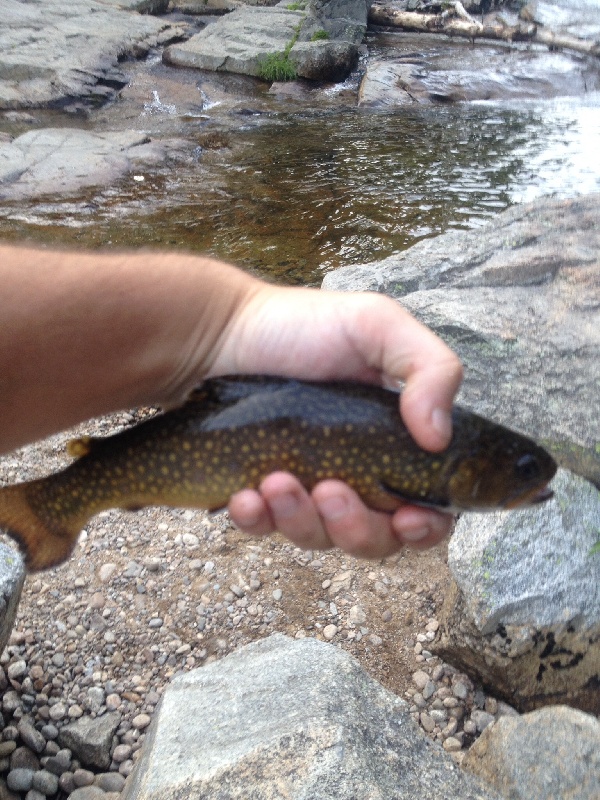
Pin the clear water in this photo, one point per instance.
(298, 194)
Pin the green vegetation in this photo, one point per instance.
(596, 548)
(296, 6)
(277, 67)
(319, 35)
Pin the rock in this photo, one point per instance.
(62, 160)
(242, 41)
(516, 298)
(338, 734)
(88, 793)
(487, 73)
(90, 739)
(579, 18)
(12, 577)
(72, 50)
(552, 753)
(524, 613)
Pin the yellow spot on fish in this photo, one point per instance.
(79, 447)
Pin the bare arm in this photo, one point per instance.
(88, 333)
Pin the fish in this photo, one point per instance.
(234, 431)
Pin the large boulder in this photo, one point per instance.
(52, 51)
(319, 41)
(519, 300)
(523, 613)
(553, 754)
(290, 718)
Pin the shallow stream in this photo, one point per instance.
(292, 189)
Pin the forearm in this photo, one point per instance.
(86, 333)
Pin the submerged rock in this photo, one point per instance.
(55, 161)
(518, 299)
(290, 718)
(523, 614)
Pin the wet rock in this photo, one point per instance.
(235, 723)
(553, 753)
(524, 613)
(518, 299)
(72, 50)
(489, 73)
(55, 160)
(241, 41)
(90, 739)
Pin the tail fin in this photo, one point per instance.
(43, 543)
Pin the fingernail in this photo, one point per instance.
(285, 505)
(333, 508)
(415, 535)
(441, 422)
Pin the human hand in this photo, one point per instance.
(320, 335)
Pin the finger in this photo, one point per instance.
(350, 525)
(293, 511)
(421, 528)
(250, 513)
(401, 348)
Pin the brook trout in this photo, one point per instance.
(234, 431)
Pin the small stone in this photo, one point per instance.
(420, 679)
(88, 793)
(17, 670)
(113, 701)
(110, 781)
(329, 631)
(121, 753)
(460, 690)
(20, 779)
(45, 782)
(106, 572)
(357, 615)
(427, 722)
(155, 622)
(31, 737)
(83, 777)
(141, 721)
(451, 744)
(277, 595)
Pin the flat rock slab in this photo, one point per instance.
(241, 41)
(55, 161)
(519, 300)
(52, 51)
(295, 719)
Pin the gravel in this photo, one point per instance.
(153, 593)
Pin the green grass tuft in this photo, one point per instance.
(319, 36)
(277, 67)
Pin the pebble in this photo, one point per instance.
(329, 631)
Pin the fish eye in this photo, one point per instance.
(528, 467)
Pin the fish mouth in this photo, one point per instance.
(541, 495)
(534, 498)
